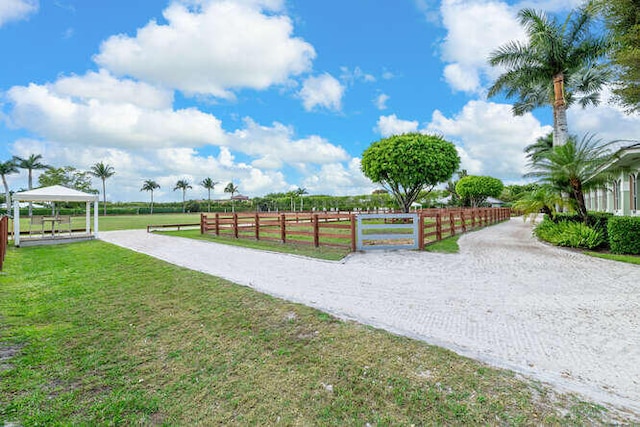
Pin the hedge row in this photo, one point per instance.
(624, 235)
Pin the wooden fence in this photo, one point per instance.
(4, 238)
(339, 229)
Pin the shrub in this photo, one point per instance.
(595, 220)
(624, 235)
(570, 234)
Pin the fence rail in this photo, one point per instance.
(4, 238)
(317, 229)
(340, 229)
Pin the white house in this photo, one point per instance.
(620, 195)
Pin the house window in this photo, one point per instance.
(616, 195)
(595, 199)
(633, 191)
(603, 200)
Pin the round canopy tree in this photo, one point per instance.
(478, 188)
(409, 163)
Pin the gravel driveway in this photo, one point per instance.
(506, 299)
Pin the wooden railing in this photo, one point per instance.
(317, 229)
(438, 224)
(339, 229)
(4, 238)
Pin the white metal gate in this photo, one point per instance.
(387, 231)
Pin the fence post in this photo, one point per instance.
(257, 226)
(217, 225)
(464, 224)
(316, 230)
(352, 217)
(235, 225)
(421, 231)
(438, 227)
(202, 223)
(283, 230)
(452, 223)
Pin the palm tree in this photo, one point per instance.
(103, 171)
(543, 199)
(150, 185)
(573, 168)
(30, 163)
(233, 189)
(537, 150)
(7, 168)
(300, 192)
(209, 184)
(557, 66)
(183, 185)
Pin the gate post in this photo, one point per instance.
(421, 231)
(352, 217)
(283, 231)
(316, 230)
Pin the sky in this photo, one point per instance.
(271, 95)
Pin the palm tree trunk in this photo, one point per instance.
(560, 126)
(209, 199)
(184, 198)
(7, 194)
(151, 210)
(104, 198)
(30, 188)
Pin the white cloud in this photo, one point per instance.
(75, 116)
(474, 29)
(323, 91)
(133, 127)
(381, 101)
(15, 10)
(489, 138)
(212, 48)
(351, 76)
(392, 125)
(338, 178)
(274, 146)
(606, 121)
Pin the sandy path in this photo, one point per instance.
(506, 299)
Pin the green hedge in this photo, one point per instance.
(624, 235)
(596, 220)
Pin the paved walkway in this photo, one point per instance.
(505, 299)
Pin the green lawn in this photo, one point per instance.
(631, 259)
(103, 335)
(125, 222)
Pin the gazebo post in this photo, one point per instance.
(87, 228)
(16, 223)
(95, 218)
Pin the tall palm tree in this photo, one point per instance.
(557, 66)
(209, 184)
(300, 192)
(150, 185)
(573, 168)
(7, 168)
(232, 189)
(103, 171)
(30, 163)
(183, 185)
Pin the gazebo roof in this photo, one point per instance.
(55, 193)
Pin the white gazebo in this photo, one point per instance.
(56, 193)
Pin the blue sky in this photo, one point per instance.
(270, 94)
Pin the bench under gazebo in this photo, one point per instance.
(52, 223)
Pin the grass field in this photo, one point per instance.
(125, 222)
(102, 335)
